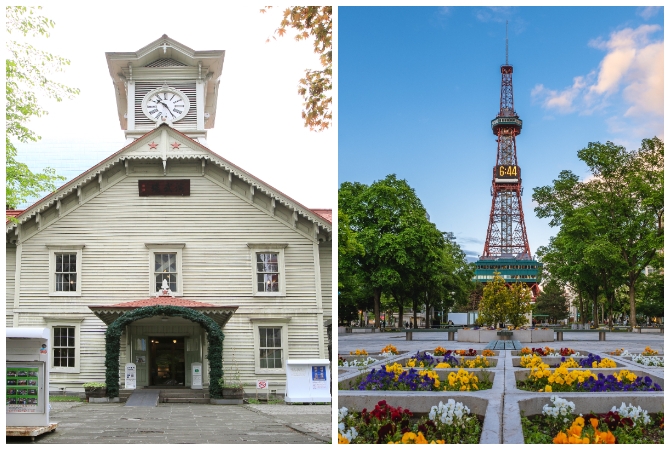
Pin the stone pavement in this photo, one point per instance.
(374, 342)
(182, 423)
(500, 405)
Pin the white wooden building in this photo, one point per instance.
(166, 207)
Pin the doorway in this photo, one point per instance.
(167, 365)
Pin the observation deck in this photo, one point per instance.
(506, 121)
(512, 269)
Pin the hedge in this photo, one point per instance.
(113, 343)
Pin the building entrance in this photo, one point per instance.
(167, 361)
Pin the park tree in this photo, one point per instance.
(518, 305)
(29, 74)
(315, 87)
(623, 201)
(495, 300)
(552, 302)
(400, 243)
(651, 295)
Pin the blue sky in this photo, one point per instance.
(418, 87)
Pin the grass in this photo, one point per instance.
(65, 398)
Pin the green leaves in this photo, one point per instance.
(113, 343)
(315, 21)
(28, 72)
(611, 224)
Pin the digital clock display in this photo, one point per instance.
(507, 171)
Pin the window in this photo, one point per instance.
(64, 347)
(65, 351)
(165, 264)
(270, 347)
(65, 270)
(268, 269)
(270, 344)
(267, 272)
(165, 268)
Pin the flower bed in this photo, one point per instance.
(655, 361)
(357, 362)
(393, 377)
(483, 406)
(548, 351)
(426, 360)
(559, 424)
(562, 379)
(450, 423)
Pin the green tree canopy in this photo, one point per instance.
(495, 300)
(402, 248)
(28, 72)
(623, 205)
(552, 302)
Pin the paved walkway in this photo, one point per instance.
(374, 342)
(112, 423)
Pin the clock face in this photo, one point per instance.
(165, 104)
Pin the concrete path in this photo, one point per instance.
(143, 397)
(503, 422)
(179, 423)
(374, 342)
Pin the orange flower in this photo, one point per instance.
(594, 422)
(561, 438)
(604, 437)
(341, 439)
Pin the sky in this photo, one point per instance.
(419, 86)
(258, 125)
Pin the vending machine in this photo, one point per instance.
(27, 377)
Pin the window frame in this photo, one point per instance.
(69, 322)
(72, 249)
(268, 248)
(276, 322)
(166, 248)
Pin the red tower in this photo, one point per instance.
(506, 239)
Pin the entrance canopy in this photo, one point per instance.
(220, 314)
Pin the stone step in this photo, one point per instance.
(164, 394)
(184, 400)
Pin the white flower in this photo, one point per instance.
(342, 413)
(636, 413)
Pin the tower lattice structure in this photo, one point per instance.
(506, 249)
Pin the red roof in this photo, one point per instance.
(13, 212)
(162, 301)
(325, 213)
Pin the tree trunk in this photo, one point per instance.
(581, 308)
(414, 307)
(595, 310)
(377, 293)
(631, 298)
(429, 320)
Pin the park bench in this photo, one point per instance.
(503, 345)
(361, 330)
(559, 333)
(639, 329)
(450, 337)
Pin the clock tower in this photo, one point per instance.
(166, 82)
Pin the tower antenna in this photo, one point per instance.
(506, 45)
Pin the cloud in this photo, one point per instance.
(647, 12)
(494, 14)
(631, 74)
(445, 10)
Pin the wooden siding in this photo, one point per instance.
(10, 261)
(215, 223)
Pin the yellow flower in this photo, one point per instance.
(411, 363)
(547, 389)
(443, 365)
(341, 439)
(411, 438)
(579, 421)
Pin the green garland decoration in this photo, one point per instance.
(113, 343)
